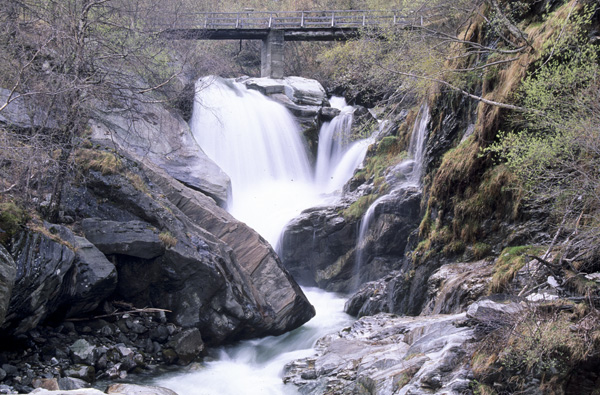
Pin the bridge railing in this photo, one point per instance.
(292, 19)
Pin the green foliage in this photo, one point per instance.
(510, 261)
(12, 217)
(356, 210)
(555, 147)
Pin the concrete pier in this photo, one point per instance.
(272, 55)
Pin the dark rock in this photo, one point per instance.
(8, 273)
(133, 238)
(94, 279)
(160, 334)
(328, 113)
(188, 345)
(3, 374)
(319, 247)
(42, 265)
(316, 240)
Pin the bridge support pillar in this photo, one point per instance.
(272, 55)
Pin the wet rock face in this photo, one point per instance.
(319, 247)
(385, 354)
(314, 241)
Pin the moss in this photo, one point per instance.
(102, 161)
(357, 209)
(168, 240)
(510, 261)
(455, 247)
(12, 218)
(389, 144)
(481, 250)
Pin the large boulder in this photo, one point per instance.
(175, 249)
(151, 133)
(260, 271)
(58, 274)
(321, 246)
(8, 273)
(42, 266)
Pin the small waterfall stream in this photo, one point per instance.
(257, 143)
(411, 168)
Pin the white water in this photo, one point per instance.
(257, 143)
(254, 367)
(412, 178)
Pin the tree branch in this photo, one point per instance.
(463, 92)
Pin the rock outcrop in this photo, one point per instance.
(175, 249)
(386, 354)
(153, 134)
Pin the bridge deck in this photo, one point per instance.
(257, 20)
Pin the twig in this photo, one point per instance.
(117, 313)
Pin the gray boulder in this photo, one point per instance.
(132, 389)
(156, 135)
(8, 273)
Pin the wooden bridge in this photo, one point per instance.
(274, 28)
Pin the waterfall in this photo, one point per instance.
(256, 141)
(412, 177)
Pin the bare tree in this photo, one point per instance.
(63, 58)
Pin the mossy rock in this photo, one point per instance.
(12, 218)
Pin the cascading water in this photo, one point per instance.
(253, 367)
(411, 168)
(338, 155)
(257, 143)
